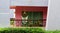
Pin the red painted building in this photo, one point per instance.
(19, 9)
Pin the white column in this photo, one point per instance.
(53, 16)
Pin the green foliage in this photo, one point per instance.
(26, 30)
(11, 22)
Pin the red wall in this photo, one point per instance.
(19, 9)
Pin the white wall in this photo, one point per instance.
(29, 2)
(53, 18)
(4, 20)
(4, 13)
(4, 6)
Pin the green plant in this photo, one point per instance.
(11, 22)
(26, 30)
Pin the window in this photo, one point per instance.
(32, 19)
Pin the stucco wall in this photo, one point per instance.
(53, 18)
(4, 13)
(29, 2)
(4, 20)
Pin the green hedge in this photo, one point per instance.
(25, 30)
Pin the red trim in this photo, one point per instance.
(12, 7)
(19, 9)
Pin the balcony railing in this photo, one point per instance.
(27, 23)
